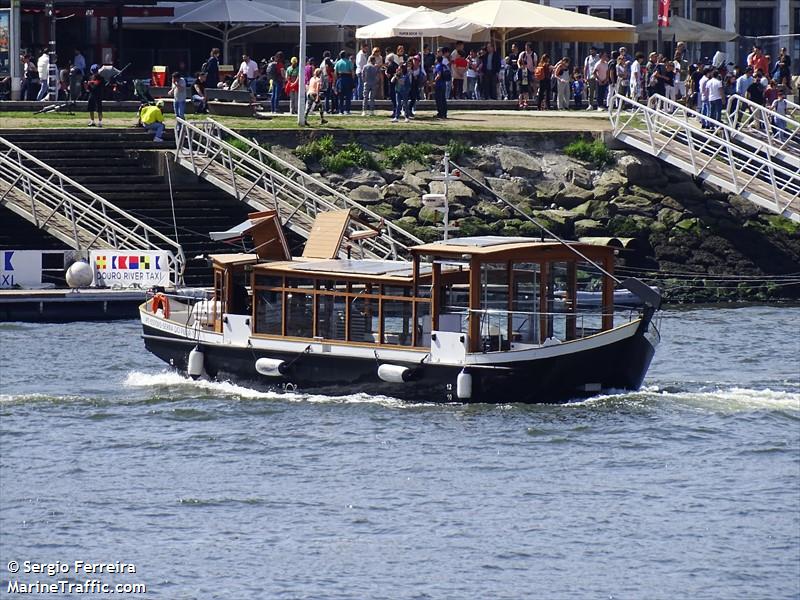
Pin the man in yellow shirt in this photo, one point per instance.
(152, 119)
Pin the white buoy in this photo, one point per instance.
(394, 373)
(271, 367)
(196, 367)
(79, 275)
(464, 386)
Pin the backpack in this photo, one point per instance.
(446, 74)
(540, 73)
(272, 69)
(204, 67)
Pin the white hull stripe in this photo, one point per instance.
(390, 354)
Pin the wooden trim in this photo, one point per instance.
(544, 291)
(343, 343)
(608, 294)
(474, 305)
(571, 299)
(436, 295)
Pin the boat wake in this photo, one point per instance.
(172, 382)
(715, 399)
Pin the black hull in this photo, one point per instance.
(621, 365)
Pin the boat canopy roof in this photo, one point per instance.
(234, 260)
(384, 270)
(491, 247)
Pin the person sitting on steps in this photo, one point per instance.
(152, 119)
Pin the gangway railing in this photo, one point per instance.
(763, 123)
(716, 155)
(74, 214)
(792, 110)
(266, 181)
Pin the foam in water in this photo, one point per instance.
(137, 379)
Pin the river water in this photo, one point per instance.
(689, 488)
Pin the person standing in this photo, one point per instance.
(602, 80)
(248, 72)
(345, 71)
(681, 73)
(402, 88)
(441, 75)
(716, 96)
(635, 87)
(588, 75)
(361, 61)
(562, 78)
(292, 84)
(76, 73)
(389, 70)
(458, 66)
(43, 67)
(95, 104)
(212, 69)
(418, 78)
(369, 77)
(314, 98)
(623, 75)
(472, 76)
(779, 106)
(178, 93)
(491, 67)
(703, 96)
(543, 74)
(578, 87)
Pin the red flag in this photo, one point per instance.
(663, 13)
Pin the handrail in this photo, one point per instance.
(294, 194)
(758, 115)
(79, 216)
(744, 166)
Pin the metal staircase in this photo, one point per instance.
(760, 123)
(72, 213)
(267, 182)
(726, 157)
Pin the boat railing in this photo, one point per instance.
(503, 330)
(195, 312)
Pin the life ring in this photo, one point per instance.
(162, 302)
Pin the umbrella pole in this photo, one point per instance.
(225, 41)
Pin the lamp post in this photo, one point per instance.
(301, 75)
(14, 50)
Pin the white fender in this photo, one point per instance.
(271, 367)
(196, 367)
(394, 373)
(464, 386)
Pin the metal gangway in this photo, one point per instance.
(721, 155)
(265, 181)
(74, 214)
(762, 123)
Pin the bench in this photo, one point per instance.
(232, 103)
(241, 95)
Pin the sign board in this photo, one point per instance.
(5, 41)
(20, 268)
(129, 268)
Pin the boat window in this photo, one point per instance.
(274, 281)
(331, 317)
(299, 314)
(495, 319)
(424, 324)
(455, 307)
(396, 290)
(559, 301)
(268, 312)
(526, 278)
(300, 284)
(329, 285)
(397, 322)
(363, 320)
(589, 284)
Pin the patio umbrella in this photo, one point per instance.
(544, 22)
(356, 13)
(686, 31)
(228, 16)
(418, 23)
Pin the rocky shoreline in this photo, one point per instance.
(696, 243)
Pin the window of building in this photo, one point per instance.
(709, 16)
(754, 22)
(623, 15)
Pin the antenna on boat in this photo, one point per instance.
(439, 202)
(644, 291)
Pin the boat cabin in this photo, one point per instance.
(493, 293)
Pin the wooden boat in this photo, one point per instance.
(475, 319)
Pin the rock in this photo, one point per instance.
(743, 208)
(557, 221)
(607, 185)
(669, 202)
(414, 182)
(654, 197)
(669, 216)
(457, 190)
(363, 177)
(334, 180)
(588, 227)
(288, 156)
(572, 195)
(415, 166)
(490, 210)
(518, 163)
(690, 225)
(487, 164)
(390, 175)
(641, 169)
(429, 215)
(630, 204)
(580, 176)
(385, 210)
(366, 194)
(457, 211)
(401, 190)
(686, 190)
(675, 175)
(546, 190)
(407, 223)
(415, 202)
(514, 190)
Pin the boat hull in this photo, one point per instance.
(618, 365)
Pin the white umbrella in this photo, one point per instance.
(356, 13)
(234, 15)
(420, 22)
(544, 22)
(686, 31)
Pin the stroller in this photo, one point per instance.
(141, 91)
